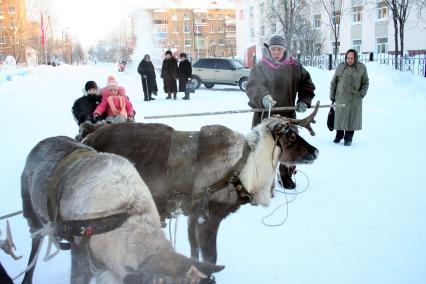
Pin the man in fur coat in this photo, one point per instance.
(184, 74)
(280, 81)
(147, 72)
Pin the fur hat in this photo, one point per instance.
(169, 52)
(90, 85)
(111, 81)
(277, 40)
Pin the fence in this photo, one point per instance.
(415, 64)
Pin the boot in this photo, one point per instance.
(186, 97)
(151, 98)
(169, 96)
(339, 136)
(286, 173)
(174, 96)
(348, 138)
(146, 98)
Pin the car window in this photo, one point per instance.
(238, 64)
(205, 63)
(224, 64)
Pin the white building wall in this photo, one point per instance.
(368, 30)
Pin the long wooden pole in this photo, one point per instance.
(234, 111)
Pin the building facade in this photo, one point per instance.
(364, 26)
(199, 32)
(13, 29)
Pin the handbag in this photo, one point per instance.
(330, 119)
(190, 86)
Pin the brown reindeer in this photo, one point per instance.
(100, 204)
(207, 174)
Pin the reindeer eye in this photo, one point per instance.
(291, 136)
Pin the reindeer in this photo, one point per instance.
(207, 174)
(101, 206)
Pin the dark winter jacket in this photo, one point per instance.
(146, 68)
(83, 107)
(282, 80)
(169, 75)
(349, 86)
(184, 73)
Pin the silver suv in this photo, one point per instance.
(221, 71)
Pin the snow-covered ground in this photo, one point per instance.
(361, 219)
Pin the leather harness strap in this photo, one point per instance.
(71, 228)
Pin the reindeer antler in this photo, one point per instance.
(8, 246)
(306, 122)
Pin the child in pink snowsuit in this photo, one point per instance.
(115, 103)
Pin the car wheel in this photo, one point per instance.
(208, 85)
(243, 84)
(197, 80)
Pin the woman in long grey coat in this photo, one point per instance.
(348, 86)
(169, 75)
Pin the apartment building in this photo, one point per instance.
(366, 26)
(12, 29)
(207, 29)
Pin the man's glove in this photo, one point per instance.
(144, 76)
(130, 119)
(301, 107)
(268, 101)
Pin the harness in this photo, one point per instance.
(76, 228)
(181, 170)
(114, 109)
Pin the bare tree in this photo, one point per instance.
(400, 11)
(334, 9)
(288, 13)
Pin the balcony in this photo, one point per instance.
(200, 22)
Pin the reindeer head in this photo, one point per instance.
(170, 268)
(295, 150)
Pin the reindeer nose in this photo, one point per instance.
(315, 154)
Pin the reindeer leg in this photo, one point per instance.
(4, 277)
(207, 236)
(28, 278)
(192, 236)
(80, 267)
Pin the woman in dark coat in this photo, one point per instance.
(278, 80)
(184, 74)
(169, 75)
(147, 72)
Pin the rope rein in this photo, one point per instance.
(287, 201)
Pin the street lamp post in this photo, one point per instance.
(64, 48)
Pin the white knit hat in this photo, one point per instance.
(111, 81)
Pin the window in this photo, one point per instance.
(262, 8)
(317, 48)
(317, 21)
(186, 16)
(356, 44)
(382, 11)
(212, 29)
(336, 18)
(273, 28)
(333, 47)
(356, 14)
(205, 63)
(382, 45)
(262, 30)
(176, 29)
(160, 28)
(186, 29)
(2, 39)
(224, 65)
(11, 10)
(251, 11)
(221, 42)
(220, 29)
(251, 33)
(187, 42)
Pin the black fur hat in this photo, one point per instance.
(169, 52)
(90, 85)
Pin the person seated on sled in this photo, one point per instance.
(84, 106)
(115, 103)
